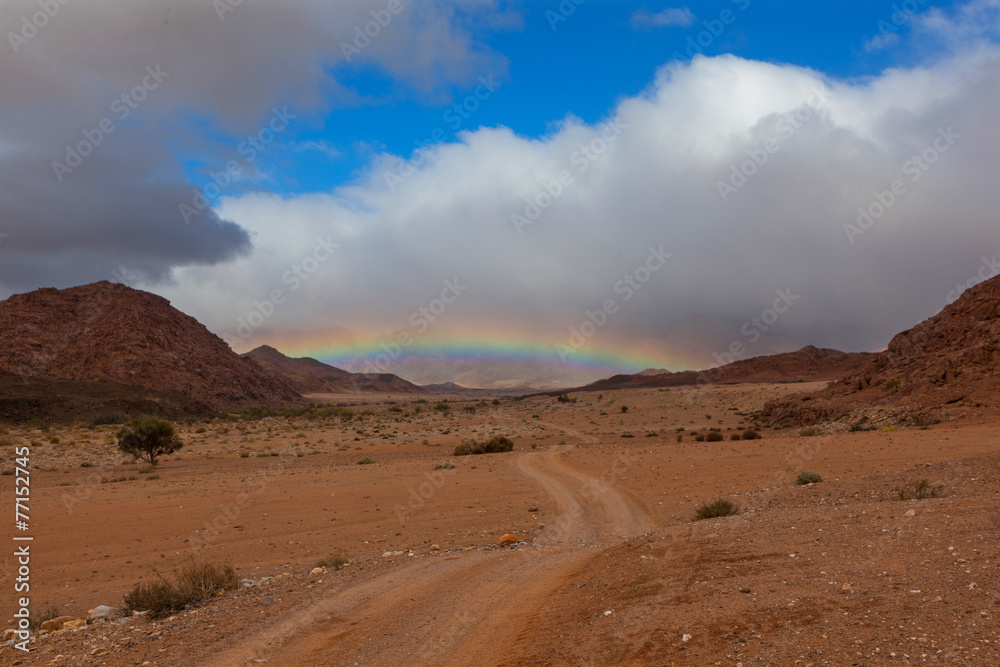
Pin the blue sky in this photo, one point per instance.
(582, 64)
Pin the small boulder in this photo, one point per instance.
(75, 623)
(508, 540)
(8, 634)
(317, 570)
(54, 624)
(435, 547)
(533, 508)
(101, 613)
(910, 513)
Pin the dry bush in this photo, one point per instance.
(716, 508)
(195, 583)
(921, 490)
(494, 445)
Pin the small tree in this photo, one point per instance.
(148, 438)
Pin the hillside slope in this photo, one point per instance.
(310, 376)
(947, 364)
(106, 332)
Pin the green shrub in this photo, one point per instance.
(808, 478)
(148, 438)
(442, 407)
(716, 508)
(107, 419)
(891, 384)
(624, 409)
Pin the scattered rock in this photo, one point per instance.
(317, 570)
(75, 623)
(435, 547)
(54, 624)
(686, 638)
(508, 540)
(910, 513)
(101, 613)
(8, 634)
(847, 588)
(533, 508)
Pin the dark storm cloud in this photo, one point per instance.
(103, 101)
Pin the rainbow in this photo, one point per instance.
(354, 353)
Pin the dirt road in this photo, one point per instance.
(464, 608)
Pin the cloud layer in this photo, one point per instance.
(750, 174)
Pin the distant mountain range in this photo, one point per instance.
(109, 348)
(809, 364)
(309, 376)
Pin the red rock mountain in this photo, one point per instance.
(309, 376)
(107, 332)
(946, 364)
(809, 364)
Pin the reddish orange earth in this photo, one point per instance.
(608, 569)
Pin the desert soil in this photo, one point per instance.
(609, 568)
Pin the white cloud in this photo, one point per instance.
(680, 17)
(656, 184)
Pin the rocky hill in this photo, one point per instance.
(106, 332)
(944, 366)
(809, 364)
(310, 376)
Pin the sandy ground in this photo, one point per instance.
(610, 569)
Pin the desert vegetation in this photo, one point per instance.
(148, 438)
(494, 445)
(192, 585)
